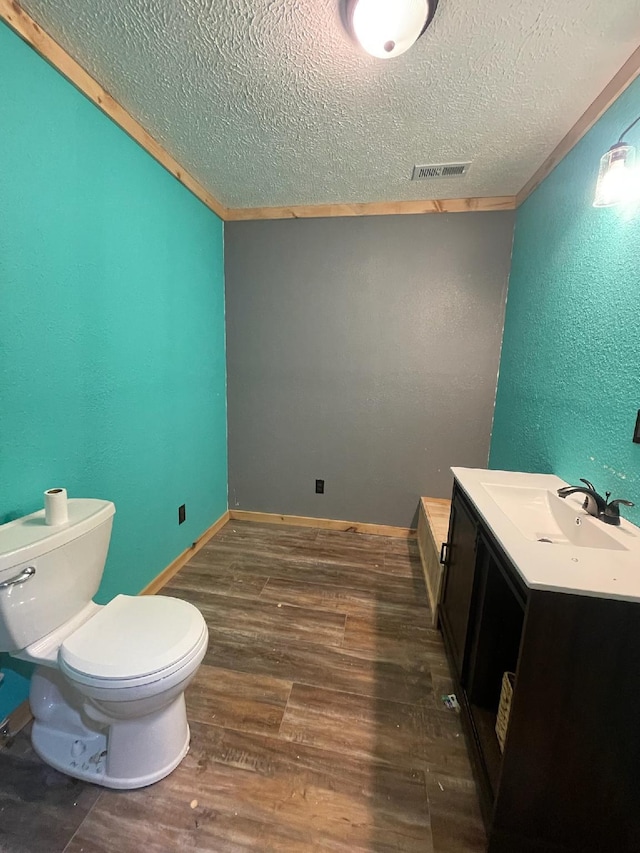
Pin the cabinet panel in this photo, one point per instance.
(570, 770)
(458, 580)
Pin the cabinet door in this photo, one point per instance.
(458, 579)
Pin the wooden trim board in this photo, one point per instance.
(15, 722)
(431, 594)
(322, 523)
(19, 21)
(433, 529)
(616, 86)
(22, 715)
(31, 32)
(389, 208)
(165, 576)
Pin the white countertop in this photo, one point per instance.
(600, 572)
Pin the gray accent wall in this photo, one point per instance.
(361, 351)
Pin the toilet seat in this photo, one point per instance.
(133, 641)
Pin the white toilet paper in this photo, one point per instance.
(55, 506)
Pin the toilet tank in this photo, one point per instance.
(68, 560)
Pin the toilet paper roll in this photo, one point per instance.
(55, 507)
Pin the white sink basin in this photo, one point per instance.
(540, 515)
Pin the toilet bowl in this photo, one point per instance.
(108, 692)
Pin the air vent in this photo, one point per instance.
(440, 170)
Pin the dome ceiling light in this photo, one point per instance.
(387, 28)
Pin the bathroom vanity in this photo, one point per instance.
(535, 586)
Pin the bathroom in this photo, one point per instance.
(155, 356)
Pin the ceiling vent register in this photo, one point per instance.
(440, 170)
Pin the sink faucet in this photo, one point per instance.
(602, 508)
(594, 503)
(611, 512)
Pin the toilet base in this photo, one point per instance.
(122, 754)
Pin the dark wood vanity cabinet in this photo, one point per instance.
(569, 778)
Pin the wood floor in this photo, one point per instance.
(316, 717)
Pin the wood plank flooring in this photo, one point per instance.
(316, 717)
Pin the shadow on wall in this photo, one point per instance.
(14, 688)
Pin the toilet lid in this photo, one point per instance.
(134, 636)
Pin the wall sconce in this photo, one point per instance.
(615, 178)
(387, 28)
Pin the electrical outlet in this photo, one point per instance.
(182, 513)
(636, 432)
(319, 487)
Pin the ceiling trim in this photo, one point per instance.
(31, 32)
(385, 208)
(614, 88)
(25, 26)
(19, 21)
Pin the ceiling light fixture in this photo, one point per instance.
(386, 28)
(616, 175)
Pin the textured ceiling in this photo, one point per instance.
(269, 102)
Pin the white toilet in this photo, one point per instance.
(108, 691)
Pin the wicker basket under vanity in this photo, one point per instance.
(504, 708)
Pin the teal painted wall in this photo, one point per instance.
(569, 386)
(112, 345)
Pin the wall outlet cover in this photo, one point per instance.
(182, 513)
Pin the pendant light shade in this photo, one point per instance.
(387, 28)
(615, 178)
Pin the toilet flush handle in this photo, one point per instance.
(24, 575)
